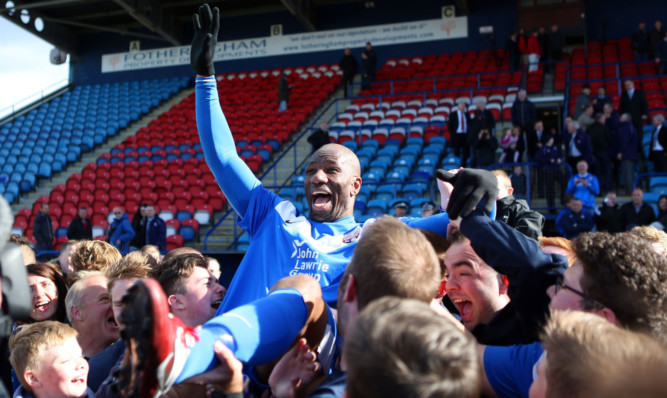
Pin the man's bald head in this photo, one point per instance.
(333, 179)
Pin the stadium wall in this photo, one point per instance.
(86, 68)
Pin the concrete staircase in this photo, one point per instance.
(282, 172)
(44, 187)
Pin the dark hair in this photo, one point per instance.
(175, 270)
(49, 271)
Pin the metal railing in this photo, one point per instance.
(9, 112)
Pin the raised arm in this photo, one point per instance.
(234, 177)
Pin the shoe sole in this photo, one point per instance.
(137, 377)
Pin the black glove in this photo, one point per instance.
(202, 51)
(470, 187)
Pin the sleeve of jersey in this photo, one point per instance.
(259, 204)
(234, 177)
(510, 369)
(436, 223)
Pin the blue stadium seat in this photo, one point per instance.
(376, 208)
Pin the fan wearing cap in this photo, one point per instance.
(428, 209)
(400, 208)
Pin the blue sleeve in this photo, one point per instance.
(530, 271)
(594, 187)
(127, 232)
(260, 202)
(436, 223)
(234, 177)
(510, 369)
(570, 186)
(559, 223)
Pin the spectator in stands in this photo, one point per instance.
(625, 148)
(485, 149)
(283, 92)
(120, 230)
(320, 137)
(523, 47)
(633, 101)
(519, 182)
(556, 43)
(348, 64)
(369, 62)
(608, 216)
(584, 186)
(587, 356)
(89, 312)
(156, 229)
(574, 219)
(458, 124)
(661, 222)
(611, 119)
(601, 140)
(543, 40)
(515, 212)
(484, 119)
(386, 349)
(578, 146)
(94, 255)
(637, 212)
(534, 52)
(139, 227)
(80, 228)
(600, 100)
(524, 115)
(509, 144)
(549, 157)
(27, 254)
(655, 37)
(583, 100)
(214, 267)
(661, 55)
(400, 208)
(65, 258)
(48, 362)
(658, 146)
(640, 43)
(48, 291)
(512, 48)
(192, 291)
(535, 139)
(585, 119)
(42, 229)
(428, 209)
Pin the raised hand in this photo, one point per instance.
(470, 187)
(207, 25)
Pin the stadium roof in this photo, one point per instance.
(62, 22)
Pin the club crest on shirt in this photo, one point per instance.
(352, 235)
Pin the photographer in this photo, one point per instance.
(485, 148)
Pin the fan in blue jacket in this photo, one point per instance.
(584, 186)
(120, 231)
(574, 219)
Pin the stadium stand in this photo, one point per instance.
(163, 163)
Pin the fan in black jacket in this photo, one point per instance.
(515, 212)
(80, 228)
(608, 216)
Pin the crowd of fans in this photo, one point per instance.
(471, 301)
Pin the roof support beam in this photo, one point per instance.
(58, 35)
(153, 18)
(304, 10)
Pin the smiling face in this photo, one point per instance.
(44, 297)
(332, 182)
(62, 371)
(95, 310)
(474, 287)
(201, 297)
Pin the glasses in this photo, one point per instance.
(560, 284)
(118, 213)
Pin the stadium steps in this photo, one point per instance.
(44, 187)
(223, 236)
